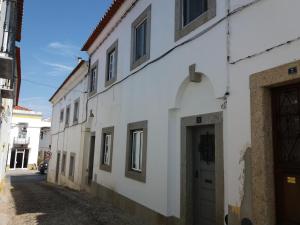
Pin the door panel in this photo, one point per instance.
(204, 175)
(57, 167)
(286, 136)
(12, 159)
(91, 160)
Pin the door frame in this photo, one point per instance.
(263, 203)
(186, 178)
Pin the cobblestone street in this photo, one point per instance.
(29, 200)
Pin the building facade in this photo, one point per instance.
(24, 139)
(191, 113)
(11, 14)
(45, 142)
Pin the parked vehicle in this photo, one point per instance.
(43, 167)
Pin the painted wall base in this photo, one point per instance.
(132, 207)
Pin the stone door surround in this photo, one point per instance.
(215, 119)
(262, 168)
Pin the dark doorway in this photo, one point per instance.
(57, 167)
(286, 135)
(204, 202)
(91, 159)
(26, 158)
(19, 160)
(12, 158)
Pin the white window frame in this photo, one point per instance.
(137, 153)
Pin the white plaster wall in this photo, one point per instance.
(6, 116)
(162, 95)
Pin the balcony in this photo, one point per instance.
(21, 141)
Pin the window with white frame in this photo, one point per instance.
(141, 29)
(61, 117)
(107, 149)
(112, 61)
(190, 14)
(67, 116)
(72, 166)
(76, 111)
(93, 80)
(136, 151)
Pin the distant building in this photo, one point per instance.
(45, 142)
(11, 14)
(24, 138)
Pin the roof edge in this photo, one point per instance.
(112, 10)
(79, 65)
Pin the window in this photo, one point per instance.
(63, 163)
(111, 64)
(72, 166)
(93, 79)
(67, 116)
(107, 148)
(136, 152)
(76, 112)
(141, 29)
(190, 14)
(61, 118)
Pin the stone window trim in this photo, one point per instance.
(105, 131)
(75, 120)
(135, 175)
(67, 120)
(61, 115)
(181, 30)
(145, 15)
(113, 47)
(71, 177)
(64, 163)
(94, 66)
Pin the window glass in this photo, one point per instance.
(107, 149)
(76, 111)
(67, 115)
(61, 115)
(136, 151)
(140, 37)
(93, 80)
(111, 65)
(193, 9)
(72, 164)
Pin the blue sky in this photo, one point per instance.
(52, 36)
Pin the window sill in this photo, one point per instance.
(110, 82)
(105, 168)
(135, 175)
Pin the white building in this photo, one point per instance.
(184, 99)
(24, 138)
(45, 141)
(11, 15)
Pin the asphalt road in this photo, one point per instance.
(29, 200)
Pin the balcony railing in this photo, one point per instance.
(21, 141)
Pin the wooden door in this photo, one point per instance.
(91, 160)
(286, 135)
(204, 185)
(57, 167)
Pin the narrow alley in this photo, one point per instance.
(28, 200)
